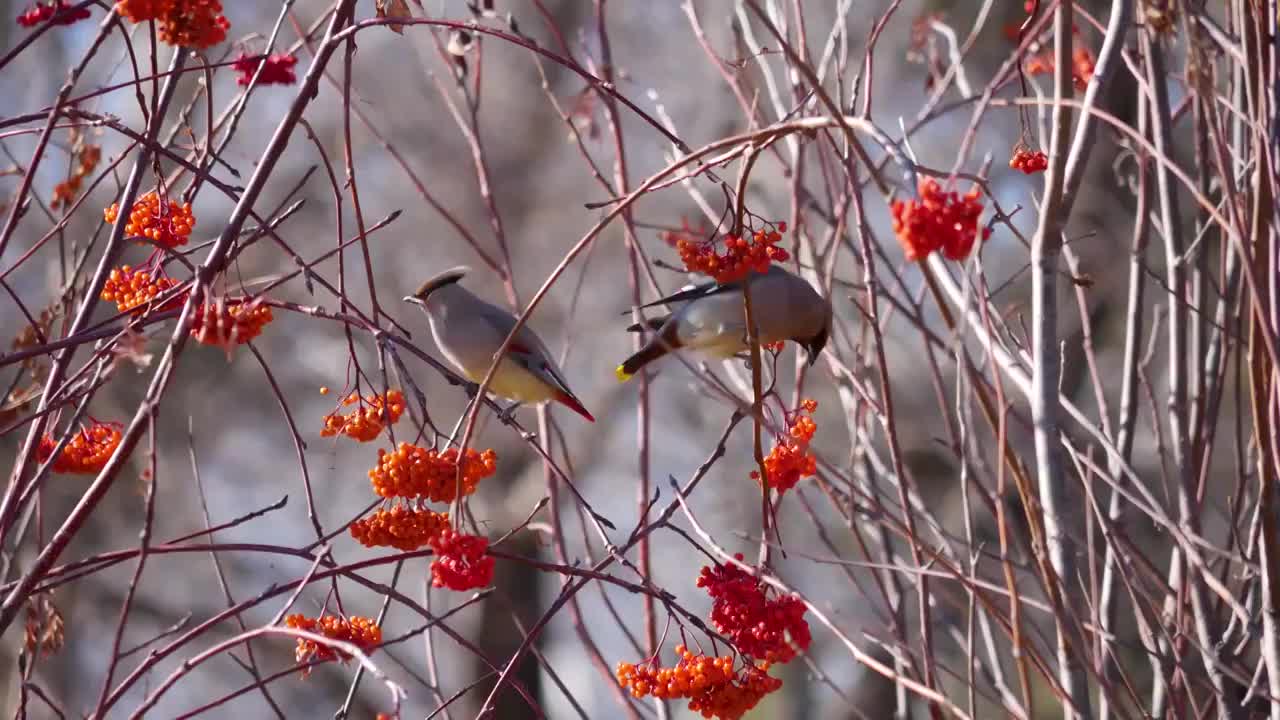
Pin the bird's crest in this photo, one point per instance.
(448, 277)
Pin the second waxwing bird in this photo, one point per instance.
(470, 331)
(711, 319)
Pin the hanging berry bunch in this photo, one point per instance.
(938, 221)
(277, 69)
(166, 224)
(56, 12)
(86, 453)
(87, 158)
(1028, 161)
(410, 471)
(400, 527)
(740, 257)
(790, 460)
(362, 632)
(757, 623)
(131, 289)
(195, 24)
(367, 421)
(224, 324)
(710, 684)
(461, 562)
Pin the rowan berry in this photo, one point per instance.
(402, 528)
(277, 69)
(790, 460)
(86, 453)
(710, 684)
(410, 471)
(461, 562)
(225, 324)
(746, 611)
(739, 258)
(362, 632)
(367, 421)
(131, 289)
(945, 221)
(1028, 161)
(56, 12)
(166, 224)
(196, 24)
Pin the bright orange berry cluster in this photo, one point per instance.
(790, 460)
(362, 632)
(166, 224)
(945, 221)
(1028, 161)
(709, 683)
(86, 453)
(87, 159)
(55, 12)
(402, 528)
(131, 288)
(411, 471)
(365, 422)
(224, 324)
(461, 561)
(758, 624)
(740, 257)
(194, 24)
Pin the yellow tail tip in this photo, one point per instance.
(622, 374)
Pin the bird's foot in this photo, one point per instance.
(507, 415)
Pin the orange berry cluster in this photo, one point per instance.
(709, 683)
(402, 528)
(165, 224)
(764, 627)
(225, 325)
(365, 422)
(87, 159)
(194, 24)
(56, 12)
(362, 632)
(461, 562)
(1028, 161)
(1083, 63)
(789, 461)
(939, 220)
(86, 453)
(741, 256)
(131, 289)
(411, 471)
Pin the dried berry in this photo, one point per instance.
(225, 324)
(277, 69)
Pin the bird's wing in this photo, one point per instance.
(692, 292)
(526, 349)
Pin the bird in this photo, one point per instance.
(711, 319)
(469, 332)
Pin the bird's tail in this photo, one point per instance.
(644, 356)
(571, 402)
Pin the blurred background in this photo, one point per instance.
(240, 441)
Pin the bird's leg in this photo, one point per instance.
(507, 415)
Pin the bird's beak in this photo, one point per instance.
(412, 299)
(813, 355)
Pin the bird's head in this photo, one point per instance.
(434, 283)
(814, 344)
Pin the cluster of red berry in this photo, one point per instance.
(130, 289)
(461, 562)
(87, 159)
(403, 528)
(790, 460)
(55, 12)
(277, 69)
(710, 684)
(166, 224)
(1028, 161)
(367, 421)
(224, 324)
(945, 221)
(86, 453)
(196, 24)
(764, 627)
(362, 632)
(740, 257)
(412, 472)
